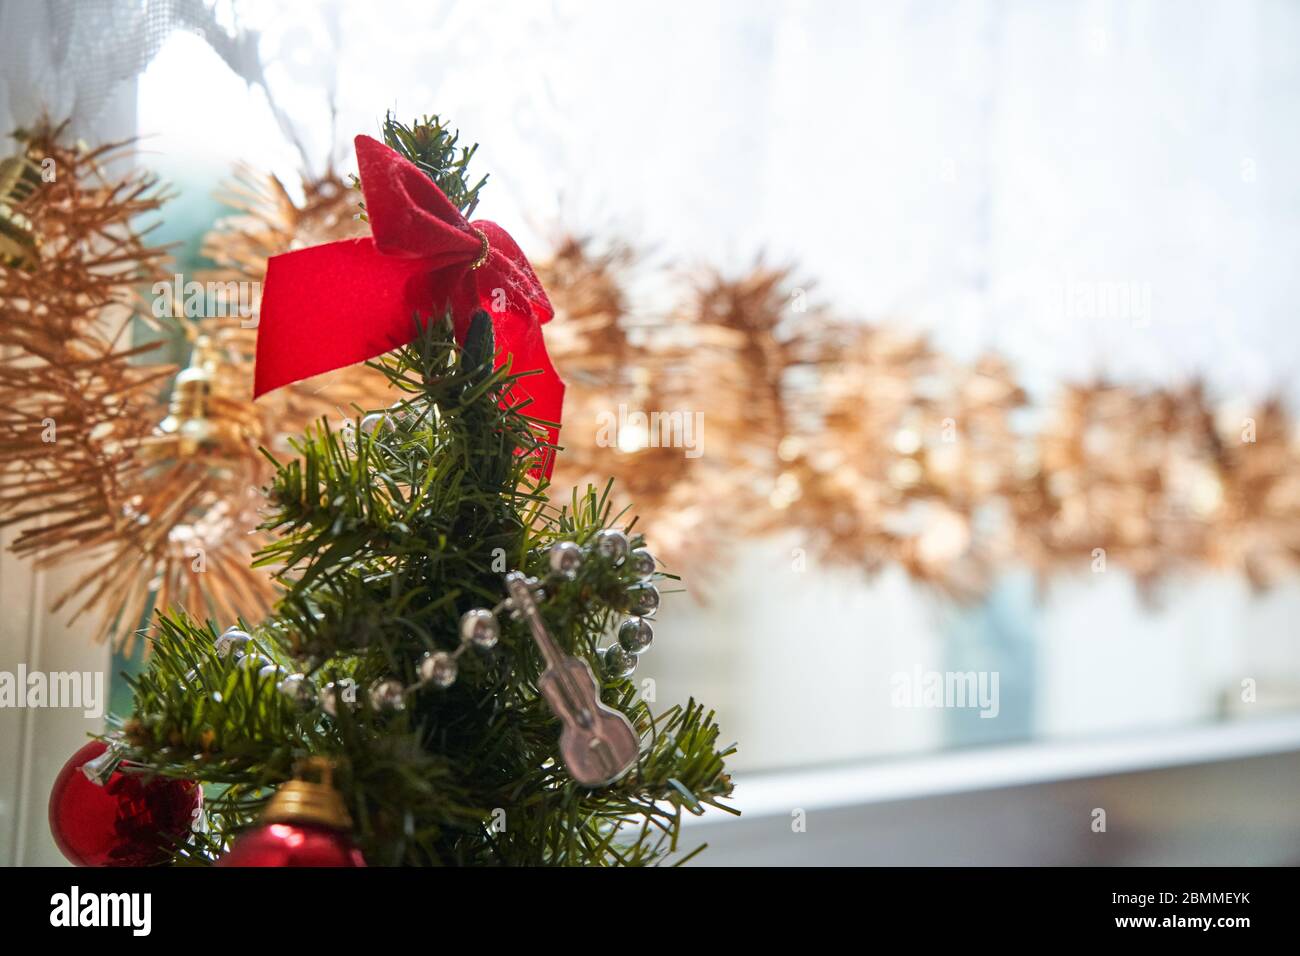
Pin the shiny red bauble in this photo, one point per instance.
(293, 844)
(129, 821)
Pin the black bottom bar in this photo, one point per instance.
(383, 905)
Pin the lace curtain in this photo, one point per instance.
(71, 58)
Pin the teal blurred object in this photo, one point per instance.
(994, 638)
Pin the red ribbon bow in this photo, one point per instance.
(345, 302)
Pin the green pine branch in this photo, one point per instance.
(434, 147)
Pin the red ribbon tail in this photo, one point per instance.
(545, 389)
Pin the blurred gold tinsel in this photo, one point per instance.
(75, 396)
(158, 494)
(1159, 480)
(908, 458)
(619, 371)
(871, 448)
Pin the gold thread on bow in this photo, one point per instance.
(483, 253)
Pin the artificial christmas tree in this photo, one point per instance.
(460, 721)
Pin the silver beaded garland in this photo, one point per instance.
(330, 698)
(298, 689)
(635, 635)
(270, 671)
(565, 558)
(254, 661)
(232, 640)
(387, 695)
(618, 662)
(479, 627)
(439, 669)
(642, 600)
(643, 563)
(611, 544)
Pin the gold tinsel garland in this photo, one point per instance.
(617, 372)
(1257, 524)
(910, 451)
(873, 449)
(75, 396)
(161, 498)
(1158, 481)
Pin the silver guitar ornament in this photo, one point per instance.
(597, 743)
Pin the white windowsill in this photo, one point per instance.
(988, 768)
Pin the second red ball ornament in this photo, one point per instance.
(305, 824)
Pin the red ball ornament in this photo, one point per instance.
(128, 820)
(305, 824)
(290, 844)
